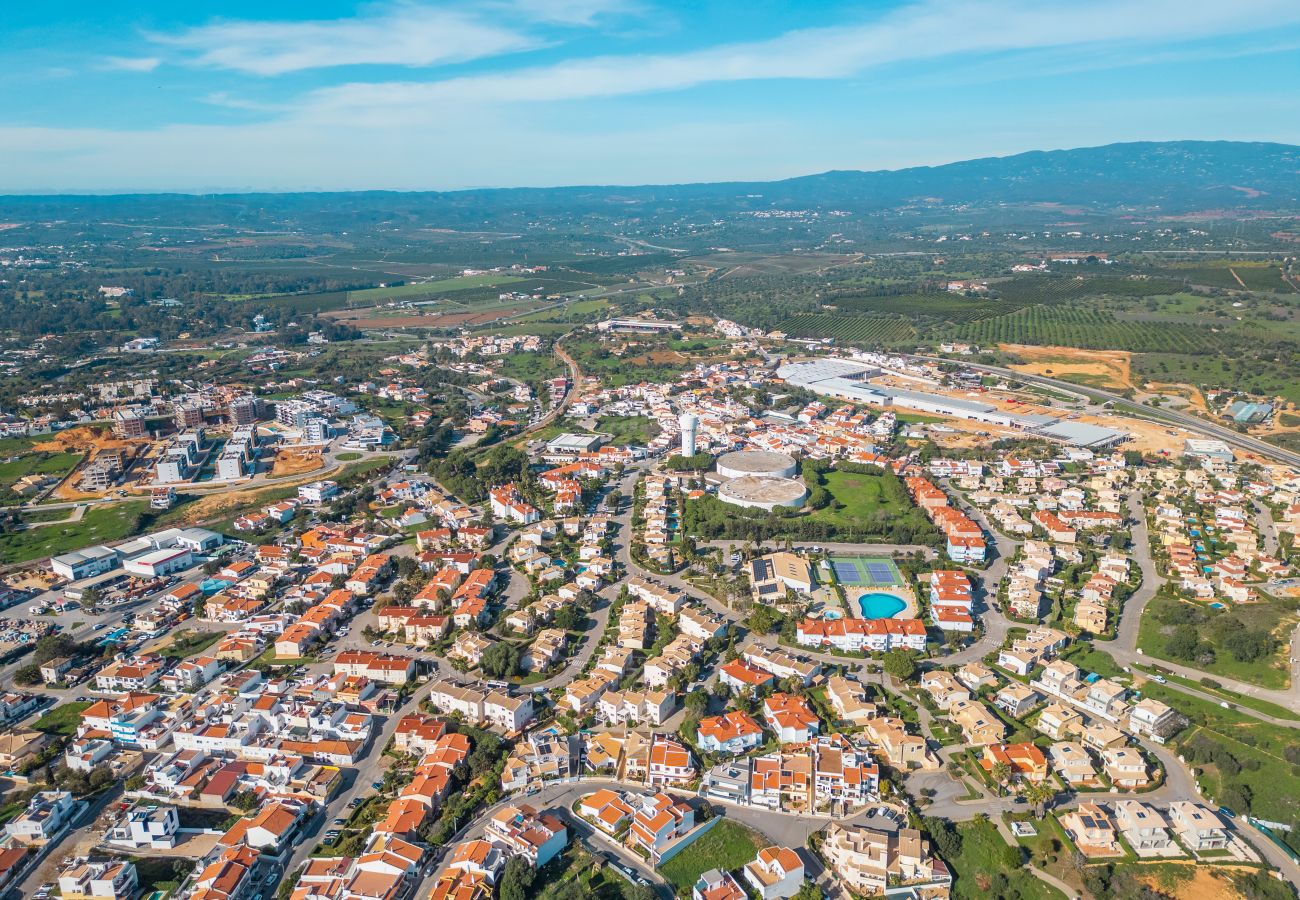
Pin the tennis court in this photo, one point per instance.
(866, 571)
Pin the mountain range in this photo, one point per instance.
(1172, 177)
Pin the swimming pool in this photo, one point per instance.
(880, 606)
(832, 615)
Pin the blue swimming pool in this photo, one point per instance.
(880, 606)
(832, 614)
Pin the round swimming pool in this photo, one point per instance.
(880, 606)
(832, 615)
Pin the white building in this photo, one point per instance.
(152, 827)
(47, 814)
(318, 491)
(85, 563)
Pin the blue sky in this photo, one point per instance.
(440, 95)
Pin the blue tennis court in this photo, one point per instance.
(881, 571)
(845, 572)
(859, 571)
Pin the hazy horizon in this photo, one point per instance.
(403, 95)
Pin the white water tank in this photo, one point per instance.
(689, 423)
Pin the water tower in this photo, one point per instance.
(688, 423)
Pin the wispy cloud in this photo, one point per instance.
(922, 31)
(402, 35)
(566, 12)
(130, 63)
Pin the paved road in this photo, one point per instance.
(557, 799)
(792, 830)
(365, 773)
(1124, 648)
(1174, 417)
(906, 549)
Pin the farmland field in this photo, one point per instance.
(943, 307)
(1090, 328)
(1242, 373)
(430, 288)
(865, 329)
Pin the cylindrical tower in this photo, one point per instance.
(689, 424)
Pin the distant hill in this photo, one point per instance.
(1169, 177)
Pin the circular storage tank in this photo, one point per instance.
(758, 492)
(766, 463)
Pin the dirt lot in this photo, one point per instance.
(1148, 437)
(1205, 883)
(292, 461)
(1097, 368)
(89, 441)
(216, 506)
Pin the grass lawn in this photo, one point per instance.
(983, 858)
(1090, 659)
(1268, 709)
(161, 873)
(1259, 747)
(36, 464)
(347, 456)
(269, 658)
(100, 524)
(63, 719)
(628, 429)
(1049, 849)
(867, 503)
(728, 845)
(14, 445)
(187, 643)
(37, 516)
(1269, 671)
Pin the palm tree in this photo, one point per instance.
(1001, 773)
(1040, 794)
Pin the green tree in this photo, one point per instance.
(516, 880)
(501, 660)
(245, 800)
(901, 664)
(1039, 795)
(28, 674)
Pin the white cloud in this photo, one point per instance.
(131, 63)
(496, 127)
(922, 31)
(566, 12)
(403, 35)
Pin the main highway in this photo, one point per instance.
(1171, 416)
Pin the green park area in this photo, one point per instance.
(1246, 642)
(628, 429)
(100, 524)
(862, 504)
